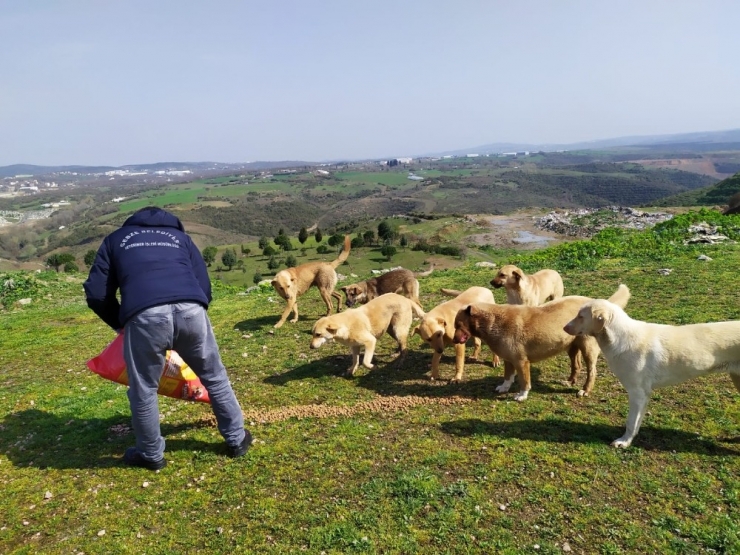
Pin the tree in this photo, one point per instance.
(263, 242)
(302, 235)
(384, 230)
(246, 250)
(269, 250)
(90, 257)
(257, 277)
(71, 267)
(209, 255)
(369, 237)
(404, 242)
(290, 261)
(318, 236)
(59, 259)
(228, 258)
(357, 242)
(335, 240)
(273, 264)
(322, 249)
(389, 251)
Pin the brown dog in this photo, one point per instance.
(399, 281)
(534, 290)
(291, 283)
(361, 327)
(524, 334)
(437, 328)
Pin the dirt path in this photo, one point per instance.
(516, 230)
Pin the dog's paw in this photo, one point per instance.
(521, 396)
(278, 325)
(583, 393)
(502, 388)
(621, 443)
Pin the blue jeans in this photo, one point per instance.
(185, 328)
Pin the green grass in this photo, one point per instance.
(386, 462)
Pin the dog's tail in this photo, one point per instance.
(427, 273)
(450, 292)
(416, 308)
(344, 255)
(621, 296)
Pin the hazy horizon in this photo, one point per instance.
(89, 83)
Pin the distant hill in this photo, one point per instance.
(691, 140)
(713, 195)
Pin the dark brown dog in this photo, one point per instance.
(399, 281)
(522, 334)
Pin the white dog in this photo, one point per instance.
(645, 356)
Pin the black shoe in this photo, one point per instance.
(241, 449)
(133, 458)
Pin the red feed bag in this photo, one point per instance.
(178, 379)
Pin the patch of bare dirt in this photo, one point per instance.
(515, 231)
(704, 166)
(383, 405)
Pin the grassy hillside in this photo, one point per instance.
(347, 197)
(386, 462)
(714, 195)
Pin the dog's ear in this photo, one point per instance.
(344, 289)
(469, 310)
(332, 330)
(441, 322)
(517, 274)
(598, 320)
(273, 282)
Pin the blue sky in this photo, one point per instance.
(125, 82)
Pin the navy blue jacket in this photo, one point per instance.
(153, 261)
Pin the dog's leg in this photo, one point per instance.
(367, 359)
(292, 306)
(476, 351)
(575, 362)
(401, 335)
(338, 297)
(436, 357)
(525, 382)
(355, 360)
(638, 401)
(328, 300)
(509, 375)
(459, 361)
(590, 353)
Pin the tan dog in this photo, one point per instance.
(645, 356)
(524, 334)
(399, 281)
(361, 327)
(438, 328)
(534, 290)
(291, 283)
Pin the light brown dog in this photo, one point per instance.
(524, 334)
(399, 281)
(645, 356)
(361, 327)
(438, 328)
(291, 283)
(532, 290)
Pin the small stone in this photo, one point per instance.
(502, 507)
(145, 485)
(48, 495)
(101, 533)
(566, 546)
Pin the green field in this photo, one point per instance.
(387, 461)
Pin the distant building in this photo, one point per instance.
(473, 155)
